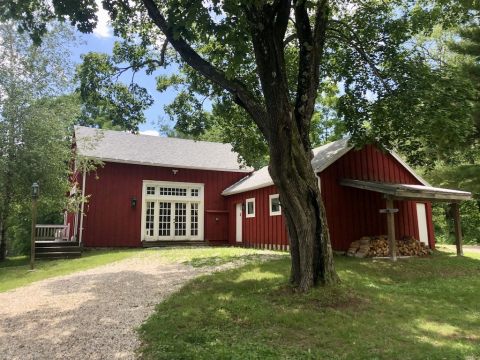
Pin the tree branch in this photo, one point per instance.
(355, 43)
(311, 43)
(282, 13)
(241, 95)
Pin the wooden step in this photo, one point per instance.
(58, 255)
(61, 249)
(172, 243)
(57, 250)
(39, 244)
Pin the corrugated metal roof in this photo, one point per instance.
(122, 147)
(324, 156)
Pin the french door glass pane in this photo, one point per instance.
(149, 218)
(180, 219)
(164, 218)
(193, 219)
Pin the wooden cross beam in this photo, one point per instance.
(390, 211)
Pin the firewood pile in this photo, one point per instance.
(377, 246)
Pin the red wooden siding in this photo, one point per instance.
(261, 230)
(110, 221)
(351, 213)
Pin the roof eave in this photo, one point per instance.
(119, 161)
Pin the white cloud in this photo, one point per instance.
(103, 28)
(150, 132)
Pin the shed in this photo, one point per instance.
(356, 185)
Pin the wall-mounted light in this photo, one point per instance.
(174, 171)
(133, 202)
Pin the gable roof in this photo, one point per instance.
(324, 156)
(122, 147)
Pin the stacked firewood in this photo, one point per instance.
(377, 246)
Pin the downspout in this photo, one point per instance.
(82, 207)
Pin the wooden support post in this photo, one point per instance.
(458, 228)
(34, 226)
(392, 244)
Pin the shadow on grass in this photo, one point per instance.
(224, 259)
(414, 309)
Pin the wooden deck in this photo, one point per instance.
(52, 242)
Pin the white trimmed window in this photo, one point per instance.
(275, 208)
(250, 208)
(172, 211)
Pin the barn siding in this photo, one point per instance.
(110, 221)
(261, 230)
(360, 208)
(351, 213)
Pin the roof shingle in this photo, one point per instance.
(122, 147)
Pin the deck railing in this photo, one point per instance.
(52, 232)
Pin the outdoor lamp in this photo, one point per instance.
(35, 190)
(133, 202)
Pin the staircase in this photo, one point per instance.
(57, 250)
(52, 242)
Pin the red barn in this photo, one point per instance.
(154, 190)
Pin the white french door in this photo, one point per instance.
(172, 211)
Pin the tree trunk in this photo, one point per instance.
(285, 128)
(311, 252)
(3, 241)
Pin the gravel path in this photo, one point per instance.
(90, 314)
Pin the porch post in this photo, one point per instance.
(392, 245)
(458, 228)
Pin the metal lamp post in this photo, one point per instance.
(35, 193)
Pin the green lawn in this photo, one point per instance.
(413, 309)
(14, 272)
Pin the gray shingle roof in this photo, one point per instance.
(117, 146)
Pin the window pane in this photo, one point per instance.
(275, 204)
(250, 207)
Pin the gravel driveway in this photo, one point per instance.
(90, 314)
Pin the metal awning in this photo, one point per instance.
(407, 191)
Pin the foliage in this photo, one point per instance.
(106, 102)
(35, 126)
(470, 220)
(411, 309)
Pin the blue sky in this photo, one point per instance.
(102, 40)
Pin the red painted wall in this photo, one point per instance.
(262, 229)
(351, 213)
(110, 221)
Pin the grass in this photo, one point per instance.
(413, 309)
(14, 272)
(214, 256)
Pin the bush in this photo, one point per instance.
(470, 218)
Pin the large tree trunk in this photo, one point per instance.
(291, 171)
(284, 123)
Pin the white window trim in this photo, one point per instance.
(274, 213)
(251, 200)
(197, 199)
